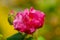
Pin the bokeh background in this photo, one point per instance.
(51, 28)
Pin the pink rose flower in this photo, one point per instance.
(28, 21)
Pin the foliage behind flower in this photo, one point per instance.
(28, 21)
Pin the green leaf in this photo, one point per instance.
(30, 38)
(17, 36)
(10, 19)
(41, 38)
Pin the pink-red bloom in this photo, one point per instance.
(28, 21)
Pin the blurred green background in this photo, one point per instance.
(51, 28)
